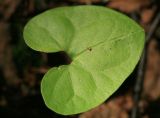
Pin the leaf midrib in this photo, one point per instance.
(99, 43)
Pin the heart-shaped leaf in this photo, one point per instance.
(103, 44)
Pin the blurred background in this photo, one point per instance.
(21, 69)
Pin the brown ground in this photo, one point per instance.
(21, 68)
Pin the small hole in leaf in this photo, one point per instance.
(90, 49)
(58, 58)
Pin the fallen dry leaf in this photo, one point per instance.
(147, 15)
(115, 108)
(128, 6)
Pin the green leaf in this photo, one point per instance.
(103, 44)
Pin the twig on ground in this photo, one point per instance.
(141, 69)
